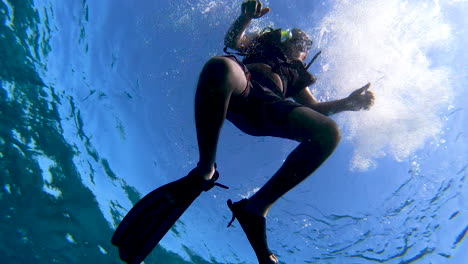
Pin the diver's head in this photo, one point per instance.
(296, 43)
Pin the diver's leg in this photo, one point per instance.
(220, 78)
(319, 135)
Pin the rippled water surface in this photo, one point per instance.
(96, 110)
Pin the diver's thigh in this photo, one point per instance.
(304, 123)
(226, 73)
(236, 78)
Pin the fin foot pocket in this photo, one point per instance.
(254, 227)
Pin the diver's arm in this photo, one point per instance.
(236, 38)
(357, 100)
(306, 98)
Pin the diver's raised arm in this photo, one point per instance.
(236, 38)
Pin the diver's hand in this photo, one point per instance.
(360, 99)
(253, 9)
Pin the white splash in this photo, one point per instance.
(208, 7)
(215, 14)
(250, 193)
(387, 43)
(457, 1)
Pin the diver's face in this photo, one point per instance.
(295, 51)
(302, 56)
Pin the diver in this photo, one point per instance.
(253, 95)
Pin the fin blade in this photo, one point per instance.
(150, 219)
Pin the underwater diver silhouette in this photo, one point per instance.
(253, 95)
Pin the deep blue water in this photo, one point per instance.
(96, 110)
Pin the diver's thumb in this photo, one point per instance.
(363, 89)
(264, 11)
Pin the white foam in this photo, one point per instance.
(214, 12)
(209, 6)
(250, 193)
(387, 43)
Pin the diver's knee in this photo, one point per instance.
(334, 132)
(214, 75)
(218, 66)
(327, 137)
(217, 60)
(216, 71)
(223, 74)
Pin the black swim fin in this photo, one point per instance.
(152, 217)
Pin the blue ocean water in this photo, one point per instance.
(96, 110)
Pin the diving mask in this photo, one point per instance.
(297, 38)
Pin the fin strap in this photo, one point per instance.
(233, 214)
(212, 183)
